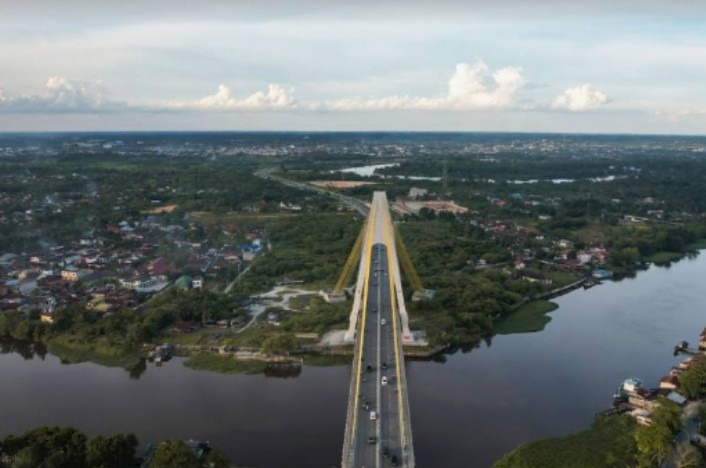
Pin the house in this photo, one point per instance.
(248, 255)
(535, 277)
(646, 399)
(669, 382)
(642, 416)
(687, 363)
(677, 398)
(197, 282)
(161, 266)
(583, 257)
(47, 317)
(273, 319)
(73, 274)
(415, 192)
(519, 264)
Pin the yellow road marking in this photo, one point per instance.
(393, 294)
(362, 323)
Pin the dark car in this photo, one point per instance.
(384, 365)
(385, 452)
(369, 368)
(372, 440)
(393, 460)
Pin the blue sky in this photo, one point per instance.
(620, 66)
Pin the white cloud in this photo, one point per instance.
(580, 98)
(276, 97)
(62, 95)
(471, 87)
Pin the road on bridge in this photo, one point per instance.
(378, 430)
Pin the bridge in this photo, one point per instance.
(378, 429)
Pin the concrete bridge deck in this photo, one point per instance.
(378, 429)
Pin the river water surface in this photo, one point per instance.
(467, 411)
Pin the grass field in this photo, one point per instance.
(661, 258)
(209, 217)
(224, 364)
(698, 245)
(529, 318)
(72, 350)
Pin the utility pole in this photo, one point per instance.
(445, 178)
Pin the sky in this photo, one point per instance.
(620, 66)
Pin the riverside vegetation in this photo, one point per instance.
(65, 447)
(642, 201)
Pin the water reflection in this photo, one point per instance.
(283, 371)
(139, 369)
(26, 349)
(466, 412)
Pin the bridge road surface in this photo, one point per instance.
(379, 351)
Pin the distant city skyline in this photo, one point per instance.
(608, 67)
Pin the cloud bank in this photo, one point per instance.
(61, 95)
(471, 87)
(276, 97)
(580, 98)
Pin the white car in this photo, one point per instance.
(384, 381)
(383, 322)
(373, 415)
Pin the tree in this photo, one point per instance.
(654, 442)
(117, 451)
(692, 382)
(48, 447)
(280, 343)
(687, 456)
(174, 454)
(216, 459)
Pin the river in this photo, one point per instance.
(467, 411)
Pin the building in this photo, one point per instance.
(144, 284)
(535, 277)
(642, 416)
(197, 282)
(184, 282)
(669, 382)
(415, 192)
(73, 274)
(7, 259)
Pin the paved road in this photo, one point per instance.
(378, 362)
(378, 430)
(354, 203)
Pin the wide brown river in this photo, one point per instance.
(467, 411)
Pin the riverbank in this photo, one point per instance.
(528, 318)
(609, 443)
